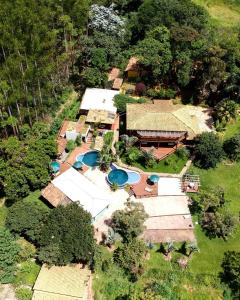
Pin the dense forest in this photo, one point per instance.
(47, 45)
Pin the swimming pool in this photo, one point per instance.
(90, 158)
(118, 176)
(55, 166)
(133, 177)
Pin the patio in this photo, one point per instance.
(144, 188)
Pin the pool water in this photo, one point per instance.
(55, 166)
(133, 177)
(118, 176)
(90, 158)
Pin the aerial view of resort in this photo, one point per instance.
(120, 150)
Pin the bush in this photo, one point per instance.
(231, 272)
(225, 110)
(182, 153)
(232, 147)
(140, 88)
(122, 100)
(162, 93)
(133, 155)
(70, 146)
(208, 151)
(130, 256)
(27, 251)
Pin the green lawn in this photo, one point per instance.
(223, 12)
(27, 273)
(172, 164)
(212, 250)
(232, 129)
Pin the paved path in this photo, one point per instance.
(7, 292)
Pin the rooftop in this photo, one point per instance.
(78, 188)
(99, 99)
(132, 64)
(100, 116)
(62, 283)
(113, 74)
(164, 116)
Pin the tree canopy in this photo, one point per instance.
(67, 236)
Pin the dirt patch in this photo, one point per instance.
(7, 292)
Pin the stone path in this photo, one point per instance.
(7, 292)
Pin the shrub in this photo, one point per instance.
(231, 272)
(130, 256)
(24, 294)
(133, 155)
(182, 153)
(70, 146)
(208, 151)
(232, 147)
(162, 93)
(225, 110)
(122, 100)
(140, 88)
(27, 251)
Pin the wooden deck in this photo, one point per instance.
(161, 152)
(144, 189)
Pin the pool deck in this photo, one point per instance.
(143, 188)
(72, 158)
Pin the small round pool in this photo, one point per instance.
(118, 176)
(55, 166)
(133, 177)
(90, 158)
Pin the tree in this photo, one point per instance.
(27, 219)
(120, 101)
(128, 141)
(129, 222)
(133, 154)
(8, 256)
(208, 151)
(208, 200)
(106, 19)
(232, 147)
(231, 272)
(225, 110)
(130, 256)
(219, 224)
(92, 77)
(69, 232)
(154, 52)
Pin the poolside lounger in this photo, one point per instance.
(147, 189)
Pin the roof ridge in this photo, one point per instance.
(173, 113)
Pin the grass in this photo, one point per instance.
(228, 177)
(27, 273)
(172, 164)
(232, 129)
(225, 13)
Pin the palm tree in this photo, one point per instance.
(149, 157)
(129, 141)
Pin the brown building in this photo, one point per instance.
(162, 123)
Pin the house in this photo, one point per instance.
(98, 106)
(113, 76)
(164, 124)
(72, 186)
(133, 68)
(70, 131)
(70, 282)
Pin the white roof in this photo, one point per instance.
(79, 188)
(99, 99)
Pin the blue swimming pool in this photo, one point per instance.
(90, 158)
(133, 177)
(55, 166)
(118, 176)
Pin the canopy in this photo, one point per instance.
(154, 178)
